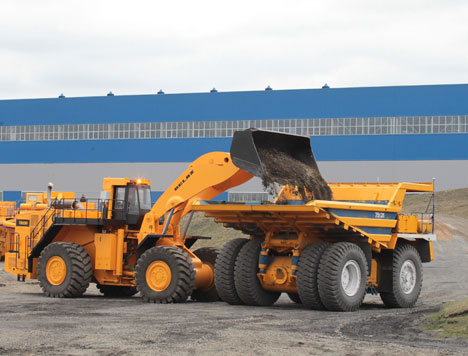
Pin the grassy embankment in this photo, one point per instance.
(448, 202)
(450, 321)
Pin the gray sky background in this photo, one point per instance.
(87, 48)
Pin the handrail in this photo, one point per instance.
(43, 221)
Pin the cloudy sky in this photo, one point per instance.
(84, 48)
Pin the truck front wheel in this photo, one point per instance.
(406, 278)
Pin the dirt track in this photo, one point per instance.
(32, 324)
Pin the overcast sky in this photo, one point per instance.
(87, 48)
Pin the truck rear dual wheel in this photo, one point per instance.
(64, 270)
(164, 274)
(342, 277)
(224, 271)
(117, 291)
(248, 287)
(307, 275)
(207, 255)
(406, 278)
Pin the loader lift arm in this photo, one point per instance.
(205, 178)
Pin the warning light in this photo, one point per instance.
(138, 181)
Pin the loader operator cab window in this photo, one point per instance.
(131, 203)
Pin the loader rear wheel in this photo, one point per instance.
(117, 291)
(248, 286)
(342, 277)
(307, 283)
(164, 274)
(64, 270)
(208, 256)
(224, 271)
(295, 298)
(406, 278)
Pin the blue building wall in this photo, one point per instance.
(272, 104)
(12, 195)
(375, 151)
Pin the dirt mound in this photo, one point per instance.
(444, 231)
(283, 169)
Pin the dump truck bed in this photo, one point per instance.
(360, 209)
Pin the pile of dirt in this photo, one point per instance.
(281, 168)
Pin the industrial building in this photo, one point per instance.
(398, 133)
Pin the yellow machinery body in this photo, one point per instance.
(113, 235)
(367, 214)
(121, 241)
(7, 212)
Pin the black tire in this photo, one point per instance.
(307, 275)
(77, 265)
(224, 271)
(182, 279)
(117, 291)
(207, 255)
(295, 298)
(338, 256)
(248, 287)
(397, 298)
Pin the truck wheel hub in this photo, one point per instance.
(408, 277)
(351, 278)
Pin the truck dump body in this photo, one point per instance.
(361, 209)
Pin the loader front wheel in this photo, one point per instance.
(406, 278)
(117, 291)
(224, 271)
(64, 270)
(342, 277)
(248, 286)
(164, 274)
(208, 256)
(307, 284)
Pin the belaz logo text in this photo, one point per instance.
(183, 181)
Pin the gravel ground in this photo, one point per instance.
(32, 324)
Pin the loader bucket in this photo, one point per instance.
(246, 145)
(282, 159)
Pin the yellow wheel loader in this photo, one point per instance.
(121, 242)
(7, 212)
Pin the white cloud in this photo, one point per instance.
(87, 47)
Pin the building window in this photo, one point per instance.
(201, 129)
(248, 196)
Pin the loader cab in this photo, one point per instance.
(130, 201)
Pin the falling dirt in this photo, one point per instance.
(283, 169)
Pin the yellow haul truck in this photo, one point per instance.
(324, 254)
